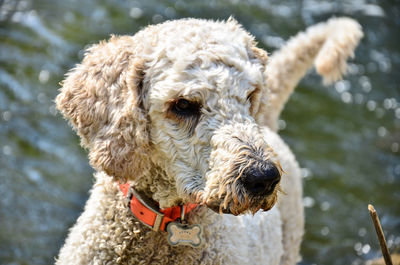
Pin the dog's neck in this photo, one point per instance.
(156, 185)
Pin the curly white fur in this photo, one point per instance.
(123, 100)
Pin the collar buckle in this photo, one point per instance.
(150, 205)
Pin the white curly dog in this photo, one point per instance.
(180, 123)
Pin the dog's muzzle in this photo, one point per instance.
(245, 172)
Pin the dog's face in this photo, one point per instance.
(175, 110)
(205, 136)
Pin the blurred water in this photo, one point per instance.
(346, 137)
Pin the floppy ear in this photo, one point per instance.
(259, 100)
(103, 100)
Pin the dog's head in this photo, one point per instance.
(174, 109)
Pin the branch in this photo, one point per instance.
(381, 236)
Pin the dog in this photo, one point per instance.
(180, 125)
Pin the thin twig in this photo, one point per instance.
(381, 236)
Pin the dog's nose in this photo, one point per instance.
(261, 179)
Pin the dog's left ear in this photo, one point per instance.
(257, 107)
(103, 100)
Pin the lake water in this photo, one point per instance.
(346, 136)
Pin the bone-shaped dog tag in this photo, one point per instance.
(184, 234)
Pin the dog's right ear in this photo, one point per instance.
(103, 100)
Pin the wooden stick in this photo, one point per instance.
(381, 236)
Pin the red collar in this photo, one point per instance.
(148, 212)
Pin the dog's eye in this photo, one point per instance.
(254, 98)
(250, 97)
(184, 107)
(253, 95)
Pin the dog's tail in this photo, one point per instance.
(326, 45)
